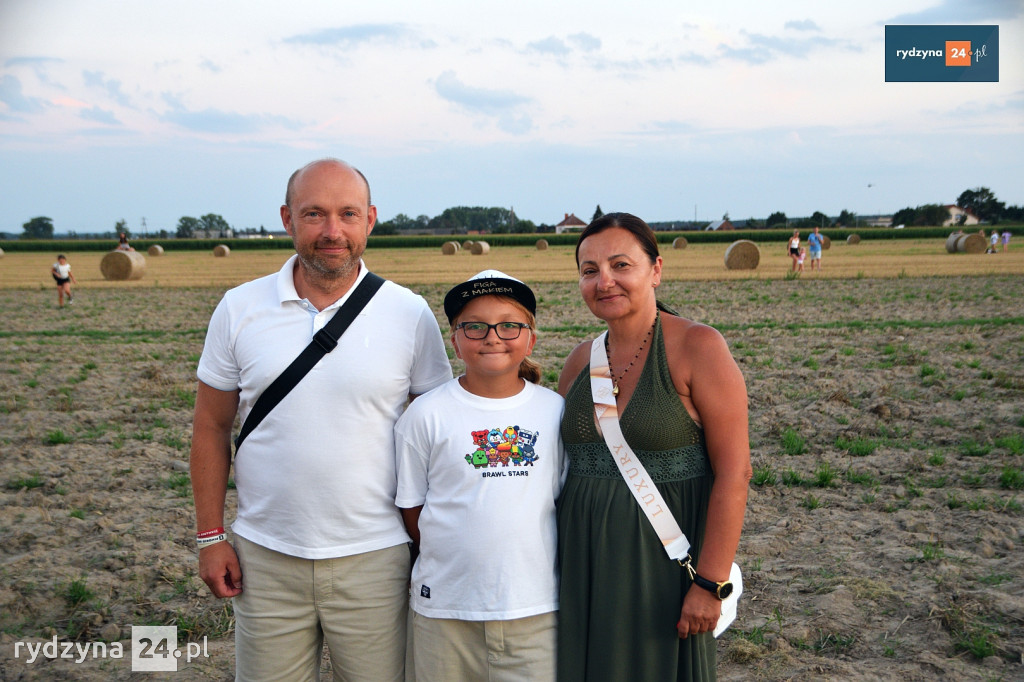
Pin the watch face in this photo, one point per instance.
(724, 590)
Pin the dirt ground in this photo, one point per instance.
(884, 527)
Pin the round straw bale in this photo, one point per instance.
(826, 243)
(853, 239)
(221, 251)
(542, 244)
(742, 254)
(123, 265)
(679, 243)
(450, 248)
(155, 250)
(480, 248)
(951, 241)
(468, 245)
(1, 253)
(971, 243)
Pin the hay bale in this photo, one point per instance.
(221, 251)
(951, 241)
(450, 248)
(480, 248)
(853, 239)
(826, 243)
(1, 253)
(542, 244)
(123, 265)
(742, 254)
(971, 243)
(155, 250)
(468, 245)
(679, 243)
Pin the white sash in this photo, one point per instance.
(640, 484)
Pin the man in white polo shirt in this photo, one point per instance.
(320, 549)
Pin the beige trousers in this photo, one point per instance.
(289, 606)
(520, 650)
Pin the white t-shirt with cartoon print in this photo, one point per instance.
(487, 472)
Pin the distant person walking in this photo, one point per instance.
(800, 260)
(1006, 240)
(794, 248)
(993, 242)
(815, 242)
(61, 272)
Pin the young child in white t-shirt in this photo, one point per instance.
(61, 272)
(480, 464)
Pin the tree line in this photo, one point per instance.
(980, 201)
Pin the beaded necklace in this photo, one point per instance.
(643, 344)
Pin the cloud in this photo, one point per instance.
(31, 61)
(350, 36)
(550, 45)
(95, 79)
(558, 47)
(805, 25)
(211, 120)
(959, 12)
(669, 128)
(761, 48)
(585, 41)
(501, 104)
(15, 99)
(98, 115)
(483, 100)
(209, 65)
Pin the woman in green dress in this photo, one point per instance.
(628, 612)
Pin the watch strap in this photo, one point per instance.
(709, 585)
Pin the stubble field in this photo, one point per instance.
(886, 517)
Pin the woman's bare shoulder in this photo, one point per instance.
(574, 364)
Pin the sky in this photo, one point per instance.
(671, 110)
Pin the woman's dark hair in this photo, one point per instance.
(627, 221)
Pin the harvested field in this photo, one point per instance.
(884, 530)
(869, 258)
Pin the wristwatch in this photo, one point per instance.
(721, 590)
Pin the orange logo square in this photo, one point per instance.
(958, 53)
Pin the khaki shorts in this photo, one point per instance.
(488, 651)
(289, 606)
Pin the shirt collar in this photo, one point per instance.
(286, 283)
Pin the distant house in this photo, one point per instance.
(213, 234)
(570, 224)
(719, 225)
(955, 213)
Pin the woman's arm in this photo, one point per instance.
(719, 395)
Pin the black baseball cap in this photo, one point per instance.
(488, 283)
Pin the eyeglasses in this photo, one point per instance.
(506, 331)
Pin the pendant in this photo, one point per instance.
(615, 390)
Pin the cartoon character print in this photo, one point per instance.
(496, 440)
(478, 458)
(527, 441)
(501, 446)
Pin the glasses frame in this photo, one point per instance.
(520, 326)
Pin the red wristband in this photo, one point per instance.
(209, 533)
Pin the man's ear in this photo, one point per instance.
(286, 219)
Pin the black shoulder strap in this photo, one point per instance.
(324, 341)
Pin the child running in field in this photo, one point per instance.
(480, 464)
(61, 271)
